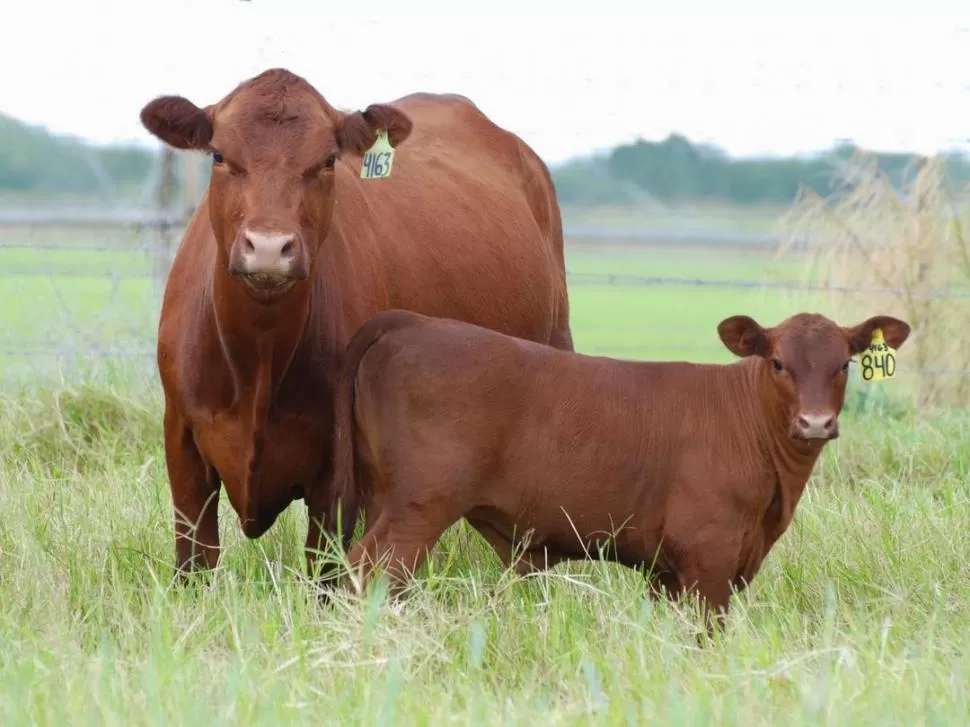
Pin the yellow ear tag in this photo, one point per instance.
(878, 361)
(378, 160)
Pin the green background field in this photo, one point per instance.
(75, 299)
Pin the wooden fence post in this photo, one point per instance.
(164, 199)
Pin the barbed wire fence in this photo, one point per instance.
(82, 285)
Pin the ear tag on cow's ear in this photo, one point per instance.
(878, 361)
(378, 160)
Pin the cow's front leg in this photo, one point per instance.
(195, 497)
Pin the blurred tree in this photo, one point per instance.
(36, 161)
(677, 170)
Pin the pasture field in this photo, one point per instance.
(758, 219)
(861, 614)
(60, 290)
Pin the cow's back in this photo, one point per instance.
(467, 226)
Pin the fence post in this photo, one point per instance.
(190, 184)
(164, 200)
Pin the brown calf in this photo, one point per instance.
(291, 251)
(696, 468)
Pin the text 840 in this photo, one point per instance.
(882, 362)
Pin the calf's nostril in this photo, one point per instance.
(829, 424)
(803, 422)
(287, 249)
(249, 245)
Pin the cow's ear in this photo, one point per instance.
(178, 122)
(744, 336)
(894, 331)
(357, 131)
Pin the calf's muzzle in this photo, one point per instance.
(815, 425)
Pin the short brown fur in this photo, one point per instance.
(696, 468)
(247, 351)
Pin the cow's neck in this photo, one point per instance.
(259, 341)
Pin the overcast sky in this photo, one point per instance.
(753, 80)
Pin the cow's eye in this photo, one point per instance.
(315, 171)
(776, 365)
(845, 366)
(217, 158)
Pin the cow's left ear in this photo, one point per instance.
(357, 131)
(894, 331)
(744, 336)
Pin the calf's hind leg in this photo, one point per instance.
(400, 539)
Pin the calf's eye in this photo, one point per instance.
(845, 367)
(776, 365)
(331, 160)
(217, 158)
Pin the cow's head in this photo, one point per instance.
(807, 360)
(275, 143)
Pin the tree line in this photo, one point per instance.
(35, 161)
(676, 170)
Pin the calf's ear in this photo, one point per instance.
(357, 132)
(894, 331)
(178, 122)
(744, 336)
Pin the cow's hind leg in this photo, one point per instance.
(322, 524)
(323, 571)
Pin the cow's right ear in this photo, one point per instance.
(178, 122)
(744, 336)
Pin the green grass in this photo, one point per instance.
(861, 614)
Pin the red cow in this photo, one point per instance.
(291, 250)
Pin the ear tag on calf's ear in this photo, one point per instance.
(378, 160)
(878, 361)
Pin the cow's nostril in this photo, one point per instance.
(287, 249)
(829, 424)
(803, 422)
(249, 244)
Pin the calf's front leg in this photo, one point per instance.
(699, 558)
(709, 571)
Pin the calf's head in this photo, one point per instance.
(807, 357)
(275, 144)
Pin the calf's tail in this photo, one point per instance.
(350, 493)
